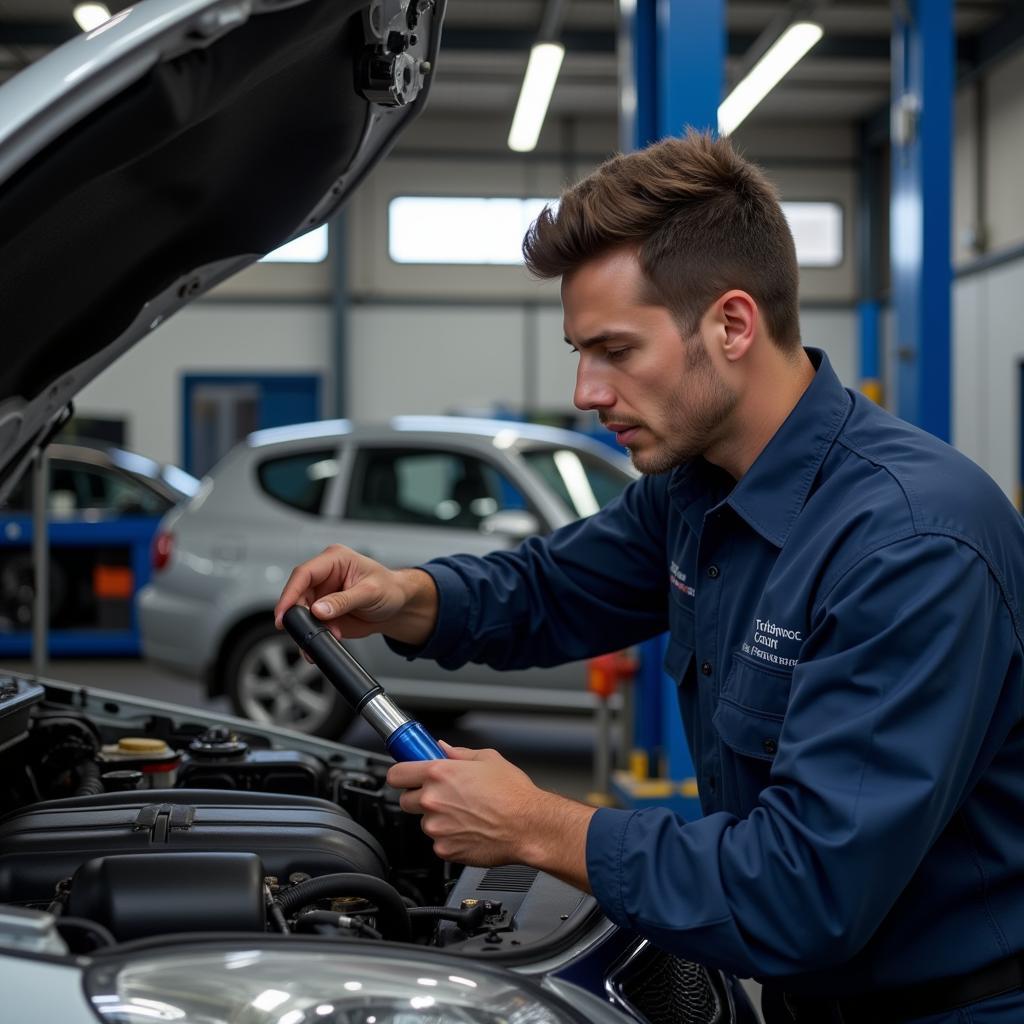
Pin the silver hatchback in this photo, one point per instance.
(415, 489)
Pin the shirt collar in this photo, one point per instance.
(771, 494)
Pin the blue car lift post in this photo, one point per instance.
(672, 55)
(922, 118)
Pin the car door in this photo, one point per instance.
(405, 503)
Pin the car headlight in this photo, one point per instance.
(314, 986)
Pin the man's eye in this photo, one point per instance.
(615, 354)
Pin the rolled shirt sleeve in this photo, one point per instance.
(898, 703)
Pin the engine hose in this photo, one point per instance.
(318, 917)
(93, 930)
(89, 781)
(468, 918)
(392, 916)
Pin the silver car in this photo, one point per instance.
(402, 493)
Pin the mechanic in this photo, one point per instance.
(841, 591)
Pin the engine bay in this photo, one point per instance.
(128, 819)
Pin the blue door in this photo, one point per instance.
(219, 410)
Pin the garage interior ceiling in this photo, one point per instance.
(486, 44)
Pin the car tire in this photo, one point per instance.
(269, 682)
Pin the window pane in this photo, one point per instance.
(817, 231)
(428, 488)
(308, 248)
(582, 481)
(299, 480)
(460, 229)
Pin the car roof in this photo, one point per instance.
(501, 433)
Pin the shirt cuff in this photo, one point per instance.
(452, 616)
(606, 837)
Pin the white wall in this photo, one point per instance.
(988, 352)
(442, 359)
(145, 386)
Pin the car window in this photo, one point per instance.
(428, 487)
(584, 482)
(77, 488)
(299, 480)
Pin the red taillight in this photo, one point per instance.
(163, 544)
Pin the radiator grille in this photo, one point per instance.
(667, 990)
(510, 878)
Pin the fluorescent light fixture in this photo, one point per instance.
(90, 16)
(538, 85)
(767, 73)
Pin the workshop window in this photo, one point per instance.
(817, 231)
(428, 488)
(460, 229)
(308, 248)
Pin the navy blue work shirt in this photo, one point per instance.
(846, 637)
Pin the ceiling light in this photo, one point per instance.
(90, 16)
(767, 73)
(538, 85)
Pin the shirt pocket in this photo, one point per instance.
(748, 719)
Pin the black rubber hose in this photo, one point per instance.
(467, 918)
(98, 935)
(392, 916)
(89, 781)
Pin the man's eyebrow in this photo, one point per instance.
(599, 339)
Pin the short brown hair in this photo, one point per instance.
(703, 219)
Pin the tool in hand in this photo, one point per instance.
(405, 738)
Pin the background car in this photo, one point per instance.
(415, 489)
(103, 504)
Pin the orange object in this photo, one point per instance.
(113, 582)
(606, 671)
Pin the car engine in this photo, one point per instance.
(126, 823)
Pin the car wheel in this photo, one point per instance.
(270, 682)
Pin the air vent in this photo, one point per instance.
(511, 878)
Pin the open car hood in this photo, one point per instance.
(148, 160)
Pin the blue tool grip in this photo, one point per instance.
(411, 742)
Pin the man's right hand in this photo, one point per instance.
(356, 596)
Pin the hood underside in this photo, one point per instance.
(229, 129)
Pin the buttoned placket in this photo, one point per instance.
(707, 606)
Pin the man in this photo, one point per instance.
(841, 591)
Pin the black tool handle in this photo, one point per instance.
(342, 671)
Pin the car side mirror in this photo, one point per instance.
(510, 524)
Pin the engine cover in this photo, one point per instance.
(46, 842)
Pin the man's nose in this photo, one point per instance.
(591, 392)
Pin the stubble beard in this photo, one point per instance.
(690, 429)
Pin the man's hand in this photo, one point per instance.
(357, 596)
(480, 809)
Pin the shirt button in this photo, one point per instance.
(713, 572)
(769, 746)
(705, 667)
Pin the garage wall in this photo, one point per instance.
(988, 353)
(443, 359)
(144, 386)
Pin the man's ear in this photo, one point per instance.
(738, 318)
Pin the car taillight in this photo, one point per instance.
(163, 544)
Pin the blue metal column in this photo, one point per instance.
(922, 116)
(672, 63)
(691, 64)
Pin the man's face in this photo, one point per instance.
(658, 391)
